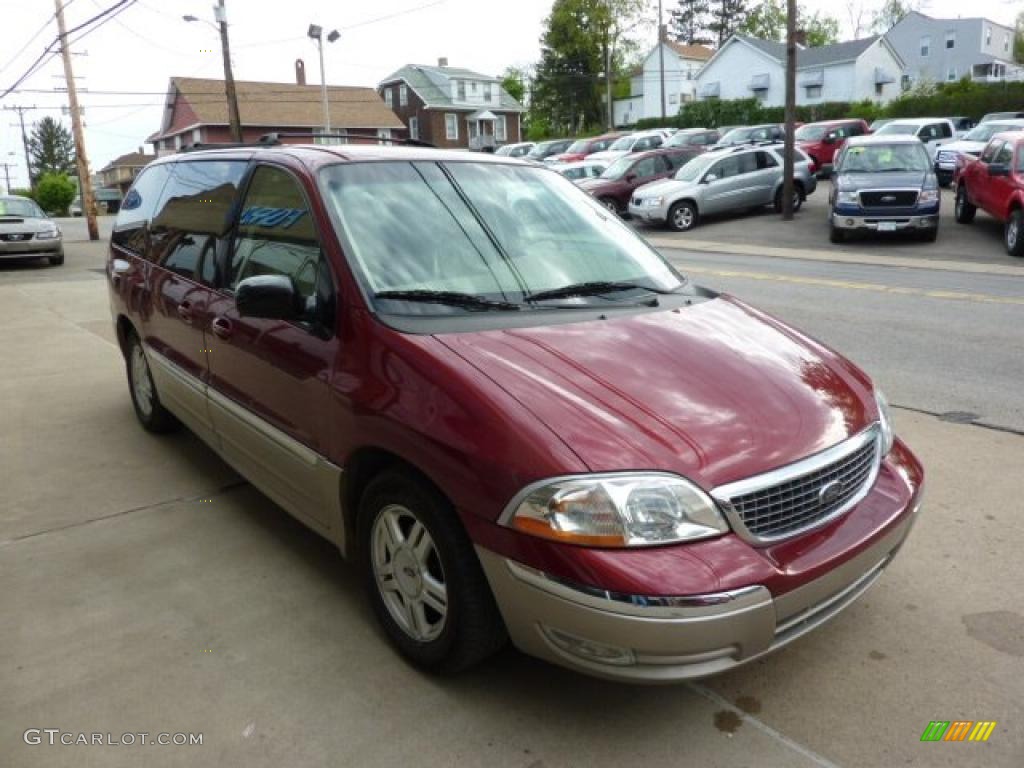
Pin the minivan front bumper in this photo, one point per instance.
(664, 639)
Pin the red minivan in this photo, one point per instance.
(513, 415)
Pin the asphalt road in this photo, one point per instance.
(145, 587)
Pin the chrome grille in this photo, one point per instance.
(888, 198)
(946, 157)
(794, 499)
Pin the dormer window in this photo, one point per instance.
(487, 91)
(472, 87)
(462, 90)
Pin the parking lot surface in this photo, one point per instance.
(147, 588)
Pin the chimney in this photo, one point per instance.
(300, 72)
(800, 38)
(443, 61)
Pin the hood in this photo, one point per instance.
(967, 147)
(659, 188)
(858, 181)
(715, 392)
(596, 183)
(22, 224)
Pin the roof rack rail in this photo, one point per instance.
(275, 138)
(198, 145)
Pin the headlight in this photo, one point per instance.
(617, 510)
(848, 198)
(885, 422)
(653, 201)
(928, 196)
(48, 234)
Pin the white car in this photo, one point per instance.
(971, 144)
(584, 169)
(634, 142)
(932, 131)
(515, 150)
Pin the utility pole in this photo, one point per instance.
(229, 78)
(661, 59)
(7, 176)
(85, 183)
(24, 137)
(608, 83)
(787, 164)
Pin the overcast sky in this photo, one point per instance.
(148, 43)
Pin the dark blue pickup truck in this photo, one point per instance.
(884, 184)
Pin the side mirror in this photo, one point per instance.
(272, 297)
(709, 178)
(830, 138)
(999, 169)
(630, 177)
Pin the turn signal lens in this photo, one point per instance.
(621, 510)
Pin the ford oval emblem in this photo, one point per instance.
(830, 493)
(888, 198)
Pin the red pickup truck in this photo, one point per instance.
(995, 183)
(822, 141)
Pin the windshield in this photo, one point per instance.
(908, 129)
(810, 132)
(542, 149)
(885, 158)
(578, 146)
(619, 168)
(625, 143)
(736, 136)
(988, 130)
(693, 170)
(13, 206)
(493, 233)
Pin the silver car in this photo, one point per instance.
(734, 179)
(27, 232)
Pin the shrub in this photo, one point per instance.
(23, 192)
(55, 192)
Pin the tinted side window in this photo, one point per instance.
(990, 151)
(1005, 155)
(727, 167)
(764, 160)
(748, 163)
(195, 214)
(945, 131)
(677, 160)
(645, 167)
(276, 236)
(137, 208)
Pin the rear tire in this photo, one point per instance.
(835, 234)
(1013, 235)
(962, 208)
(423, 577)
(56, 261)
(151, 413)
(682, 217)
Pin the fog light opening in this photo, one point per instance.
(590, 650)
(849, 222)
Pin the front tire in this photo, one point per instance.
(835, 234)
(682, 217)
(150, 411)
(962, 208)
(56, 261)
(798, 199)
(610, 204)
(1013, 235)
(423, 578)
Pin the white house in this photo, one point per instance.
(682, 63)
(746, 67)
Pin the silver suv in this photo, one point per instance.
(733, 179)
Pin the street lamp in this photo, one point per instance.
(316, 32)
(220, 14)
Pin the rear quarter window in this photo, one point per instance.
(129, 230)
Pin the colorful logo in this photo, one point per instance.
(958, 730)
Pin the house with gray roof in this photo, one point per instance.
(946, 50)
(453, 107)
(746, 67)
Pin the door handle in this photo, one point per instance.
(222, 327)
(185, 311)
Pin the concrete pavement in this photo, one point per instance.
(146, 588)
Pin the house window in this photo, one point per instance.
(988, 36)
(926, 45)
(403, 96)
(673, 98)
(813, 91)
(177, 141)
(487, 91)
(197, 135)
(879, 87)
(462, 90)
(1006, 43)
(500, 131)
(387, 97)
(951, 75)
(383, 133)
(321, 136)
(414, 127)
(472, 87)
(951, 39)
(451, 126)
(905, 82)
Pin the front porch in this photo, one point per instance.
(482, 130)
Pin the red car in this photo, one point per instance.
(995, 183)
(615, 186)
(514, 416)
(821, 141)
(580, 148)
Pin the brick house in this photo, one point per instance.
(452, 107)
(197, 112)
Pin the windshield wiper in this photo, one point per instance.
(592, 288)
(453, 298)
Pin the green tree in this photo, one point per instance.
(55, 192)
(892, 12)
(514, 80)
(689, 22)
(1018, 39)
(767, 21)
(727, 16)
(50, 148)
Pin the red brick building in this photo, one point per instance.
(197, 112)
(453, 107)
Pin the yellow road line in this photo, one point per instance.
(982, 298)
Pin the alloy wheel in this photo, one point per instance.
(142, 383)
(683, 217)
(1012, 232)
(408, 571)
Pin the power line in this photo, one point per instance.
(393, 15)
(29, 42)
